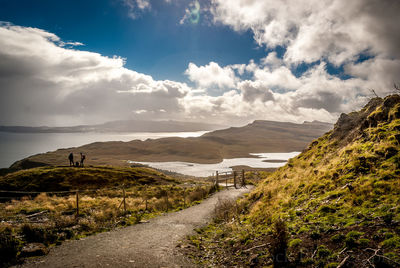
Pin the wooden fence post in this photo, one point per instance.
(166, 199)
(145, 197)
(77, 204)
(234, 179)
(243, 180)
(216, 177)
(184, 198)
(123, 192)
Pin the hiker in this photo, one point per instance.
(83, 157)
(71, 159)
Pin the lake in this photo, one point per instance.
(16, 146)
(262, 160)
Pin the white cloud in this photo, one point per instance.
(255, 90)
(280, 78)
(211, 75)
(272, 60)
(42, 82)
(336, 30)
(135, 7)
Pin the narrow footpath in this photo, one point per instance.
(152, 244)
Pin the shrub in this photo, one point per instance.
(37, 234)
(198, 194)
(9, 248)
(279, 244)
(225, 210)
(32, 234)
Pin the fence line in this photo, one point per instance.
(180, 192)
(231, 175)
(144, 194)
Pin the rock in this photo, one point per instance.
(253, 260)
(391, 100)
(34, 249)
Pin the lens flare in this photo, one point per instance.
(195, 13)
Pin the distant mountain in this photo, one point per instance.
(119, 126)
(257, 137)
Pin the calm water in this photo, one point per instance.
(15, 146)
(203, 170)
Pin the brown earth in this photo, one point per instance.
(257, 137)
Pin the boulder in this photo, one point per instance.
(34, 249)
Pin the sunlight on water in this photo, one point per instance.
(203, 170)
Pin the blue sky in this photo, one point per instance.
(217, 61)
(154, 43)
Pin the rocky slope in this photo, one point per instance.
(335, 205)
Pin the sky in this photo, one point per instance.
(70, 62)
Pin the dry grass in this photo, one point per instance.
(338, 198)
(50, 219)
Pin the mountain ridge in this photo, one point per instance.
(119, 126)
(212, 147)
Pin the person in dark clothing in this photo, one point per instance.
(71, 159)
(83, 157)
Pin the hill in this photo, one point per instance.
(334, 205)
(257, 137)
(42, 207)
(70, 178)
(119, 126)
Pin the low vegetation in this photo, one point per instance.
(30, 223)
(335, 205)
(213, 147)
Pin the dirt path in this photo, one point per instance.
(151, 244)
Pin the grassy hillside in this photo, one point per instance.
(337, 202)
(258, 137)
(70, 178)
(49, 218)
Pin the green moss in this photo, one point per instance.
(337, 238)
(392, 243)
(363, 242)
(352, 237)
(327, 209)
(323, 252)
(295, 243)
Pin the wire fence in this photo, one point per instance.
(109, 202)
(34, 206)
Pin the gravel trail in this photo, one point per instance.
(151, 244)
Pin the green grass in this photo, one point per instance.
(337, 194)
(71, 178)
(148, 193)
